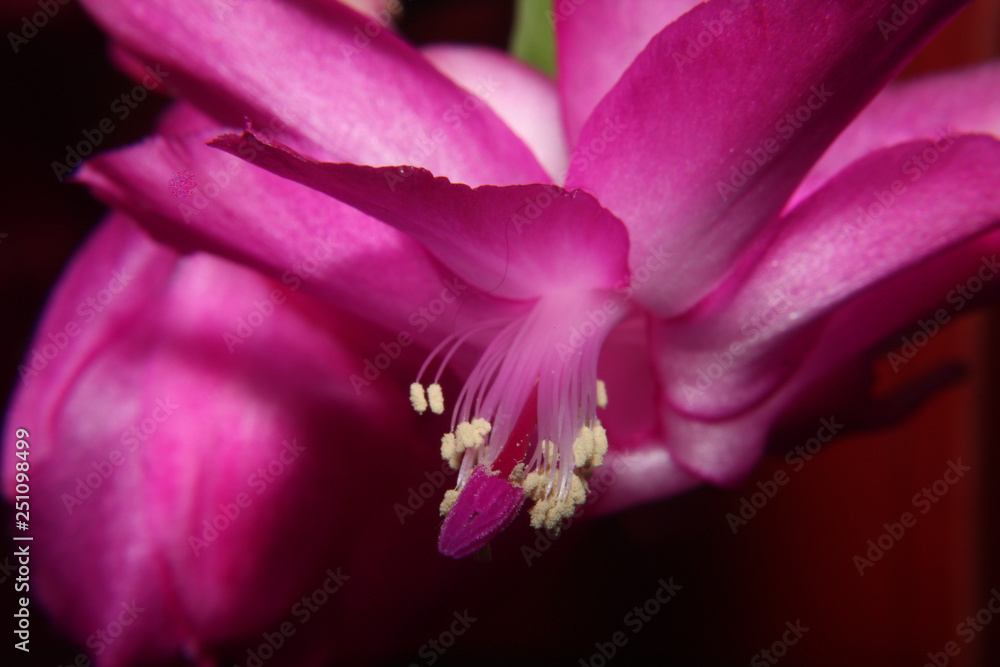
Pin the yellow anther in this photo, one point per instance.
(450, 451)
(450, 496)
(436, 398)
(472, 434)
(417, 398)
(600, 445)
(583, 447)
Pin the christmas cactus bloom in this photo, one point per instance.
(687, 224)
(644, 264)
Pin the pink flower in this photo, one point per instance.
(694, 226)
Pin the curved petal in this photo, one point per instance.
(638, 467)
(964, 101)
(298, 236)
(719, 451)
(751, 111)
(336, 80)
(516, 242)
(522, 97)
(834, 281)
(173, 478)
(641, 473)
(725, 450)
(179, 119)
(879, 217)
(596, 42)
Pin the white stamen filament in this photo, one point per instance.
(567, 442)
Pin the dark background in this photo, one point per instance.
(793, 561)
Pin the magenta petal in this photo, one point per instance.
(484, 507)
(177, 120)
(292, 233)
(522, 97)
(174, 477)
(718, 451)
(640, 473)
(959, 102)
(734, 108)
(622, 28)
(314, 72)
(833, 282)
(148, 438)
(514, 242)
(639, 466)
(830, 251)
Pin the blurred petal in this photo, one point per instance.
(314, 71)
(174, 477)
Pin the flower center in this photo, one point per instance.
(525, 424)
